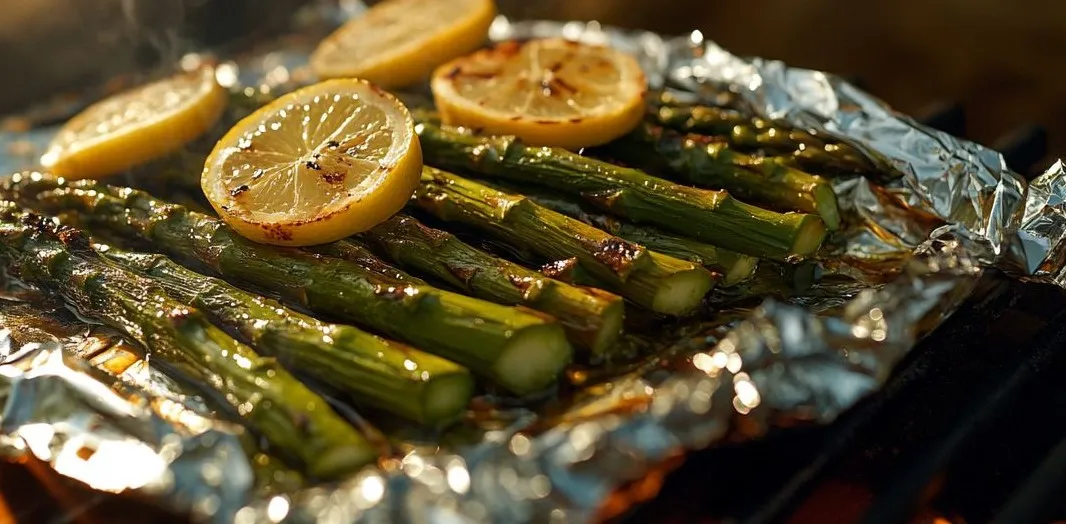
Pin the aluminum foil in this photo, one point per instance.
(118, 426)
(952, 210)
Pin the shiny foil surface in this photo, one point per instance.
(912, 251)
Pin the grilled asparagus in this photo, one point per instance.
(658, 282)
(593, 318)
(379, 372)
(520, 349)
(713, 163)
(299, 423)
(711, 216)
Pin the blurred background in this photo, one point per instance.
(1001, 59)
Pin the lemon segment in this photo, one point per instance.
(549, 92)
(316, 165)
(398, 43)
(136, 126)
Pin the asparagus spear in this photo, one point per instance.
(382, 373)
(733, 267)
(810, 151)
(711, 216)
(593, 318)
(264, 396)
(658, 282)
(712, 163)
(354, 251)
(521, 350)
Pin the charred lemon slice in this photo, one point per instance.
(136, 126)
(399, 42)
(315, 165)
(550, 92)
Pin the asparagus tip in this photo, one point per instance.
(533, 359)
(682, 292)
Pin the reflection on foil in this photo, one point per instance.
(911, 252)
(781, 366)
(1044, 226)
(104, 431)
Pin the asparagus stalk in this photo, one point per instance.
(519, 349)
(592, 318)
(733, 267)
(712, 163)
(710, 216)
(354, 251)
(658, 282)
(807, 150)
(266, 398)
(381, 373)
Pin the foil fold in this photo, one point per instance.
(109, 432)
(914, 252)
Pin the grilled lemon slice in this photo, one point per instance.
(399, 42)
(549, 92)
(315, 165)
(136, 126)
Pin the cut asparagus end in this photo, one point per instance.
(809, 236)
(825, 201)
(340, 461)
(613, 318)
(743, 268)
(446, 397)
(533, 359)
(682, 292)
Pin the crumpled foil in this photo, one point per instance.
(120, 427)
(952, 211)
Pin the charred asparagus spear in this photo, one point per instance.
(711, 216)
(261, 393)
(519, 349)
(754, 133)
(733, 267)
(658, 282)
(382, 373)
(354, 251)
(593, 318)
(712, 163)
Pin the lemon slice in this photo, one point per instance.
(136, 126)
(315, 165)
(549, 92)
(399, 42)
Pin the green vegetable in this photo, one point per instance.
(592, 318)
(521, 350)
(265, 397)
(379, 372)
(747, 132)
(715, 164)
(734, 267)
(710, 216)
(658, 282)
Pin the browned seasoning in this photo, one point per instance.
(332, 177)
